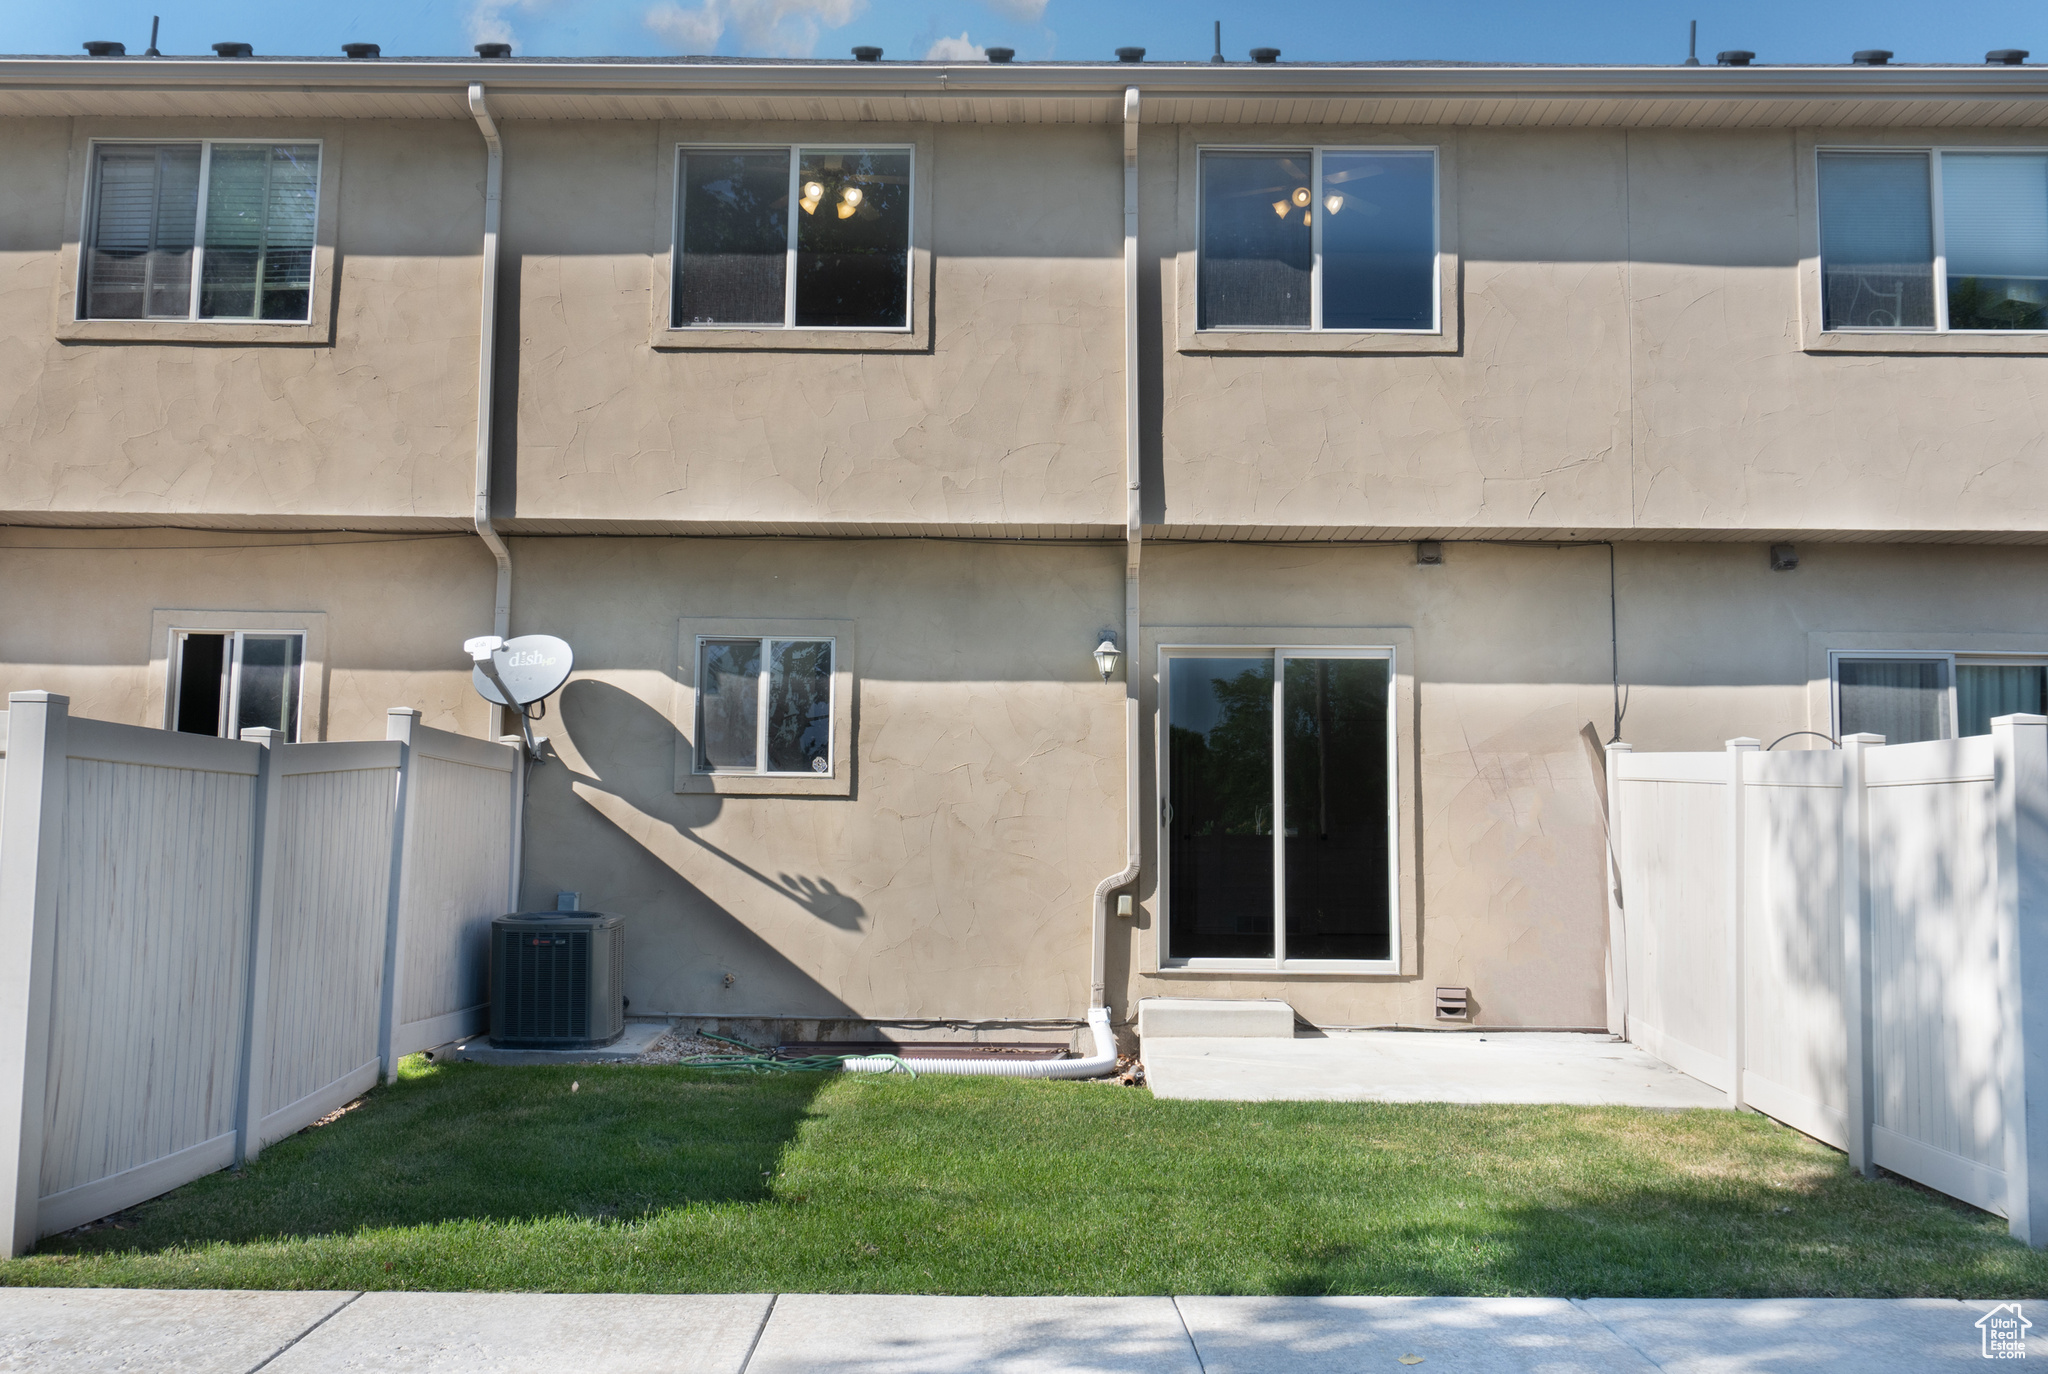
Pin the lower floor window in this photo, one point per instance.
(764, 706)
(1280, 819)
(226, 681)
(1911, 698)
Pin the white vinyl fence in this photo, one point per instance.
(1853, 941)
(215, 942)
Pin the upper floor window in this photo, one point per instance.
(212, 230)
(1932, 239)
(1318, 239)
(792, 238)
(226, 681)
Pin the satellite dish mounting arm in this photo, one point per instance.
(484, 649)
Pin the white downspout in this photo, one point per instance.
(1104, 1058)
(1133, 516)
(487, 361)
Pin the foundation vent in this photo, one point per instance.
(1452, 1004)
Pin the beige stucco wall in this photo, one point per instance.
(1628, 325)
(379, 425)
(1014, 416)
(1631, 360)
(987, 801)
(77, 607)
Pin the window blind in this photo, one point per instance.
(256, 251)
(1876, 241)
(259, 232)
(1995, 214)
(145, 208)
(1903, 699)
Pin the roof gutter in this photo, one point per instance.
(527, 77)
(487, 360)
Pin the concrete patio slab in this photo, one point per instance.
(1422, 1066)
(1809, 1335)
(192, 1331)
(875, 1334)
(533, 1333)
(1345, 1335)
(631, 1044)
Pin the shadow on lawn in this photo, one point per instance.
(468, 1142)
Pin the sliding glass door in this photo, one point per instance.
(1279, 822)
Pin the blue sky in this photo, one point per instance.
(1475, 30)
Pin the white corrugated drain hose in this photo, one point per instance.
(1094, 1066)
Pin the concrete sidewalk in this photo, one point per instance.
(92, 1331)
(1421, 1066)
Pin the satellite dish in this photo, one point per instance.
(530, 667)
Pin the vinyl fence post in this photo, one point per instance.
(398, 725)
(1617, 921)
(257, 1031)
(2020, 749)
(31, 852)
(1856, 980)
(1737, 878)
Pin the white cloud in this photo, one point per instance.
(1030, 11)
(961, 49)
(688, 31)
(490, 22)
(762, 28)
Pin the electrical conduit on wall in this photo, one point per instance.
(1104, 1057)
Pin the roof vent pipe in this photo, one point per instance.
(234, 50)
(1265, 54)
(494, 50)
(101, 48)
(1000, 54)
(154, 20)
(1692, 45)
(867, 54)
(2003, 57)
(1735, 57)
(1219, 43)
(1130, 54)
(1871, 57)
(362, 50)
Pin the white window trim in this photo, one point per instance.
(789, 324)
(89, 209)
(1279, 963)
(1316, 152)
(231, 699)
(691, 630)
(1935, 152)
(1952, 658)
(167, 624)
(761, 681)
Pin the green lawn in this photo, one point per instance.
(668, 1179)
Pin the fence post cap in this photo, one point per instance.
(1745, 742)
(1862, 737)
(261, 734)
(38, 699)
(2018, 718)
(403, 711)
(1619, 746)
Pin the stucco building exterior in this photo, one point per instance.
(1393, 518)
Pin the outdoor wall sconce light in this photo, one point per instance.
(1784, 557)
(1107, 654)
